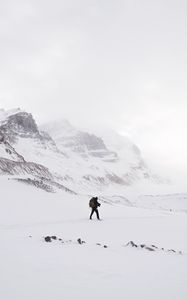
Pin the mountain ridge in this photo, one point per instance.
(82, 161)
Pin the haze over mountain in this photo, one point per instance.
(64, 157)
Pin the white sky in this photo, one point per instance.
(116, 63)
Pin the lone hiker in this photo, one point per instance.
(94, 204)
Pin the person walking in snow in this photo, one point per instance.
(94, 204)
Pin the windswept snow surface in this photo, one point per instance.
(171, 202)
(35, 270)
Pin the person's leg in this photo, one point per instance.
(97, 213)
(91, 213)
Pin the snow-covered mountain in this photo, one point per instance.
(63, 156)
(104, 160)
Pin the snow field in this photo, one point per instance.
(33, 269)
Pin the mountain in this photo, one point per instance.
(20, 144)
(109, 157)
(57, 155)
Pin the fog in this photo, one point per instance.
(119, 64)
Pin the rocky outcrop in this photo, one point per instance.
(10, 167)
(20, 124)
(9, 152)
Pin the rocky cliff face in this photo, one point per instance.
(7, 151)
(19, 124)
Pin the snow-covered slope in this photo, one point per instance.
(171, 202)
(106, 266)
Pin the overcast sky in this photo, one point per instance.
(116, 63)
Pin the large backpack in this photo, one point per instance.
(92, 203)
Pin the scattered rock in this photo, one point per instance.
(131, 243)
(154, 246)
(80, 241)
(171, 250)
(47, 239)
(150, 247)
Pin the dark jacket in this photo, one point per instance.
(96, 203)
